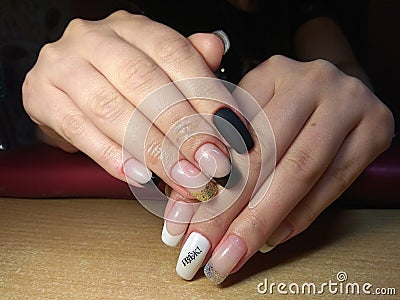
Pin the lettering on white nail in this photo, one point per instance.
(191, 256)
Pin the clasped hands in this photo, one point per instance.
(273, 164)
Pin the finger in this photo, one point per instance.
(212, 218)
(181, 62)
(302, 165)
(69, 122)
(211, 47)
(136, 76)
(346, 167)
(328, 180)
(178, 213)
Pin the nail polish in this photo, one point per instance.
(137, 171)
(224, 38)
(283, 231)
(214, 163)
(233, 130)
(154, 180)
(192, 255)
(224, 259)
(188, 176)
(176, 223)
(170, 239)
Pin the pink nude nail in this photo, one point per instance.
(137, 171)
(213, 161)
(188, 176)
(176, 223)
(225, 258)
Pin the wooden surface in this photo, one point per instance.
(111, 249)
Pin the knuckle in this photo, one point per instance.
(120, 14)
(77, 26)
(276, 59)
(300, 164)
(344, 176)
(49, 52)
(106, 104)
(186, 128)
(154, 153)
(72, 126)
(355, 89)
(108, 153)
(173, 49)
(257, 224)
(139, 74)
(320, 70)
(383, 126)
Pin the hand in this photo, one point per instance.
(85, 87)
(328, 127)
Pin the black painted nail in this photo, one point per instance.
(233, 130)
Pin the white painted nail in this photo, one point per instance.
(192, 255)
(169, 239)
(266, 248)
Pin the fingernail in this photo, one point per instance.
(225, 259)
(188, 176)
(176, 223)
(192, 255)
(280, 234)
(137, 171)
(224, 38)
(154, 180)
(214, 163)
(233, 130)
(168, 237)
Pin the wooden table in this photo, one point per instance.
(111, 249)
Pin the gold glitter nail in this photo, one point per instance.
(208, 192)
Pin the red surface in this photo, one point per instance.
(46, 172)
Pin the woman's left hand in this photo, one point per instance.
(328, 128)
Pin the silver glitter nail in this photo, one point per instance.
(213, 275)
(224, 37)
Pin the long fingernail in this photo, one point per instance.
(224, 38)
(192, 255)
(137, 171)
(233, 130)
(176, 223)
(280, 234)
(154, 180)
(214, 163)
(188, 176)
(225, 258)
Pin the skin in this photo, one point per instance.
(299, 114)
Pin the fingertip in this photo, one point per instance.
(210, 46)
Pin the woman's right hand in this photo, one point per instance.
(85, 87)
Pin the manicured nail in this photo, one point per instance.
(154, 180)
(168, 237)
(137, 171)
(280, 234)
(176, 223)
(233, 130)
(225, 258)
(214, 163)
(192, 255)
(224, 38)
(188, 176)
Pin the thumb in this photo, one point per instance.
(212, 46)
